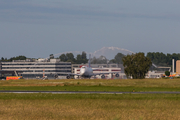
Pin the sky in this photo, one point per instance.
(38, 28)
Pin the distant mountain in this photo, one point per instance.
(108, 52)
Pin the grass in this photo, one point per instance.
(90, 106)
(93, 85)
(92, 82)
(89, 88)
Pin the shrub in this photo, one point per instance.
(167, 73)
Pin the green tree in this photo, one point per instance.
(21, 57)
(167, 73)
(51, 56)
(79, 59)
(84, 57)
(158, 58)
(63, 57)
(161, 59)
(119, 57)
(112, 61)
(136, 65)
(94, 60)
(100, 60)
(70, 57)
(2, 59)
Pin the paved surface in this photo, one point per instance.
(87, 92)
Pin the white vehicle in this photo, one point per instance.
(87, 72)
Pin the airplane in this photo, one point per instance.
(87, 72)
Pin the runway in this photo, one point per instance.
(88, 92)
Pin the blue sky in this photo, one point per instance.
(37, 28)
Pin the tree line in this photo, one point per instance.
(135, 65)
(82, 58)
(159, 59)
(21, 57)
(69, 57)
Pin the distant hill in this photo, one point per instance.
(108, 52)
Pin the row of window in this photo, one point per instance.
(36, 67)
(40, 75)
(39, 64)
(53, 71)
(47, 71)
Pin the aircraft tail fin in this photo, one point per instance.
(89, 62)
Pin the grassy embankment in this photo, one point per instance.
(90, 106)
(93, 85)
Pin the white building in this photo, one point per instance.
(52, 68)
(154, 74)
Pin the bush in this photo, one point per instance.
(167, 73)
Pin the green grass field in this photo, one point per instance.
(91, 106)
(93, 85)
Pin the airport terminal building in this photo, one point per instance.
(54, 68)
(31, 68)
(49, 68)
